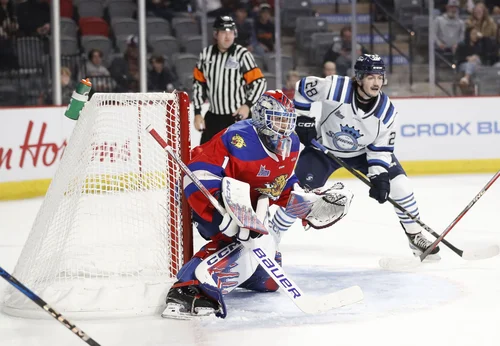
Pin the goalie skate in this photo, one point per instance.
(185, 301)
(418, 244)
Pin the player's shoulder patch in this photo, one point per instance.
(240, 135)
(238, 141)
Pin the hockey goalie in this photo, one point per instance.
(261, 152)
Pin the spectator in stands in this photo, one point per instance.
(8, 29)
(34, 17)
(67, 88)
(101, 80)
(292, 77)
(464, 6)
(94, 66)
(334, 52)
(161, 78)
(264, 30)
(125, 70)
(329, 69)
(339, 46)
(255, 6)
(450, 29)
(344, 61)
(486, 30)
(480, 19)
(469, 55)
(244, 28)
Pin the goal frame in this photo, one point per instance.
(187, 234)
(176, 113)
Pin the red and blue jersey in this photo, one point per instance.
(237, 152)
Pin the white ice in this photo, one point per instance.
(453, 302)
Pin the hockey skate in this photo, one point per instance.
(186, 300)
(418, 244)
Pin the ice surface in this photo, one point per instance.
(453, 302)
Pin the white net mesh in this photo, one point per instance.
(108, 237)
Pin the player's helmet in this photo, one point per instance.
(274, 118)
(225, 23)
(369, 64)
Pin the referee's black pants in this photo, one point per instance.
(214, 123)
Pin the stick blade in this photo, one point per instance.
(335, 300)
(479, 254)
(399, 264)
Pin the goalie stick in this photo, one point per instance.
(306, 303)
(41, 303)
(488, 252)
(409, 263)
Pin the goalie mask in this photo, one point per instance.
(274, 118)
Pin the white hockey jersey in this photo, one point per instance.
(344, 129)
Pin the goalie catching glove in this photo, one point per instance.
(319, 208)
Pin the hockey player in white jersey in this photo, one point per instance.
(357, 123)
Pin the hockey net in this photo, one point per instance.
(113, 229)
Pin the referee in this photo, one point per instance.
(228, 77)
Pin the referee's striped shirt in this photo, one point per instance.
(228, 80)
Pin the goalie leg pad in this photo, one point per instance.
(260, 281)
(186, 273)
(217, 271)
(229, 267)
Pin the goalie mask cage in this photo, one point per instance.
(114, 228)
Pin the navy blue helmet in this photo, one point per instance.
(369, 64)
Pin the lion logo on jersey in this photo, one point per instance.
(238, 141)
(273, 190)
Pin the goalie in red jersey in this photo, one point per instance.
(263, 153)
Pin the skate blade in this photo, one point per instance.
(177, 312)
(429, 258)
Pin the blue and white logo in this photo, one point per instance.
(346, 139)
(263, 172)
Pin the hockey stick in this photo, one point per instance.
(404, 263)
(468, 255)
(41, 303)
(307, 304)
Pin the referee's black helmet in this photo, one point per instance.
(224, 23)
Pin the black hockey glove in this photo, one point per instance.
(306, 129)
(381, 187)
